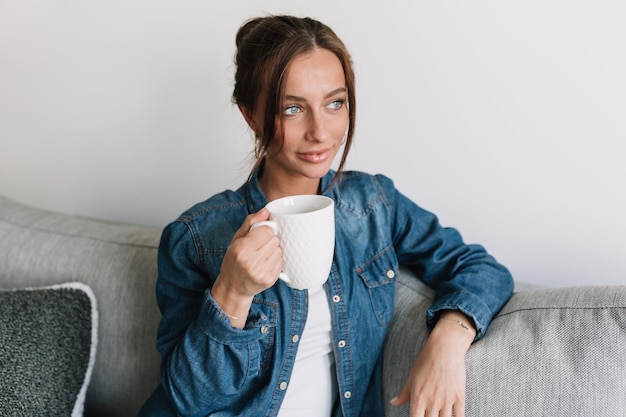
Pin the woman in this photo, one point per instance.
(234, 340)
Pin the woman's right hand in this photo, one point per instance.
(251, 264)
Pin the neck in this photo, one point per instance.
(278, 187)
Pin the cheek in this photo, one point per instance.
(280, 139)
(291, 133)
(340, 128)
(274, 148)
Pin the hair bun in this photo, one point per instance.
(246, 28)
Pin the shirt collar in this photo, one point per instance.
(256, 198)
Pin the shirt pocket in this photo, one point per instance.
(379, 275)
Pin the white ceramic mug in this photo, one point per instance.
(305, 225)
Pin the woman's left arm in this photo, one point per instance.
(436, 383)
(471, 287)
(465, 277)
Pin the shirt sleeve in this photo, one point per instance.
(465, 276)
(206, 364)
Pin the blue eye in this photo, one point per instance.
(337, 104)
(291, 110)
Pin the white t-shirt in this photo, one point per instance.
(312, 389)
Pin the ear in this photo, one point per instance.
(248, 116)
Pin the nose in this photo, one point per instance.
(317, 130)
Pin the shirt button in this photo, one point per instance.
(283, 386)
(336, 298)
(391, 274)
(264, 329)
(341, 343)
(295, 338)
(347, 394)
(263, 317)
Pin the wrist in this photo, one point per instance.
(233, 305)
(456, 328)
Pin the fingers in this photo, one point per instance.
(403, 397)
(260, 215)
(435, 385)
(438, 406)
(448, 410)
(431, 393)
(253, 260)
(418, 409)
(258, 253)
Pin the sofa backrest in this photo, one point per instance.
(549, 352)
(118, 262)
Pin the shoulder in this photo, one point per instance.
(361, 192)
(215, 205)
(213, 220)
(360, 177)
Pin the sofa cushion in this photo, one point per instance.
(118, 261)
(48, 344)
(550, 352)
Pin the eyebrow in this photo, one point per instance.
(331, 94)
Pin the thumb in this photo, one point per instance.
(403, 397)
(260, 215)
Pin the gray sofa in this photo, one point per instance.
(550, 352)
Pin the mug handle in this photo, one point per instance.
(269, 223)
(274, 227)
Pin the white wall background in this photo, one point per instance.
(507, 119)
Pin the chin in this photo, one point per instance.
(317, 173)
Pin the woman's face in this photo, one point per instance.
(313, 121)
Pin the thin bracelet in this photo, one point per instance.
(460, 323)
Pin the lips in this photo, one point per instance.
(315, 156)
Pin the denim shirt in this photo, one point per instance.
(209, 368)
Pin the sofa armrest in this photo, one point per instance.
(550, 351)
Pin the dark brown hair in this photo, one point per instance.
(265, 48)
